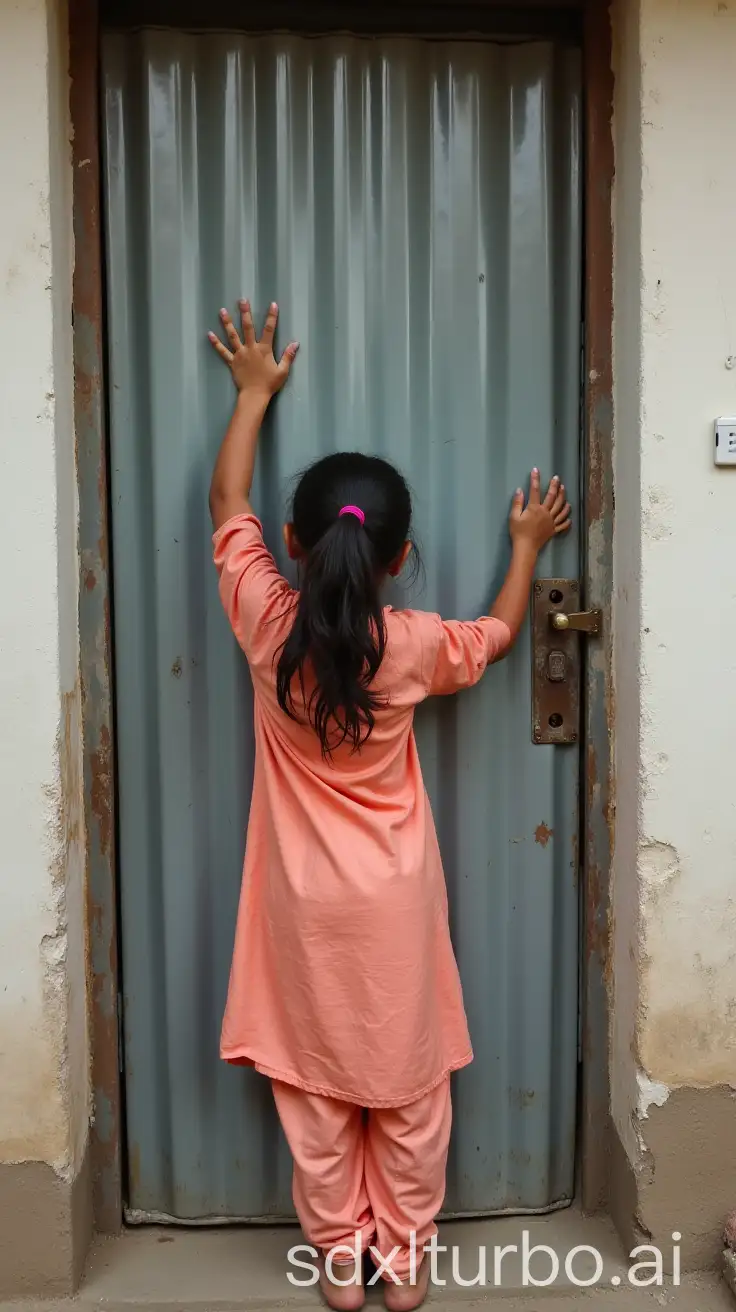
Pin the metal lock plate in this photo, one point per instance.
(556, 663)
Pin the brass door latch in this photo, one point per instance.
(556, 659)
(582, 621)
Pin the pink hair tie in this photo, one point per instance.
(353, 510)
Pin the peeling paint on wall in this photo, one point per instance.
(64, 798)
(659, 865)
(651, 1093)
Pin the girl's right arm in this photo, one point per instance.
(531, 528)
(258, 377)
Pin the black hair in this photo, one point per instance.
(339, 633)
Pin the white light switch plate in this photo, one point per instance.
(725, 441)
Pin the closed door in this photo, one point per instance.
(414, 207)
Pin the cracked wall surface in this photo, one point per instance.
(673, 1036)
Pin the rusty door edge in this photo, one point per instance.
(597, 769)
(94, 617)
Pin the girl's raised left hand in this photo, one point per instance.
(540, 520)
(251, 362)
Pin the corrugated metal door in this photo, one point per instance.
(414, 206)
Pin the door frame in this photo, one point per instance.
(95, 606)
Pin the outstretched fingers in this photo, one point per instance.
(246, 319)
(230, 331)
(555, 495)
(517, 504)
(220, 347)
(269, 328)
(563, 518)
(288, 357)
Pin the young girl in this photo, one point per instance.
(344, 989)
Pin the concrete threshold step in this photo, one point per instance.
(234, 1269)
(705, 1295)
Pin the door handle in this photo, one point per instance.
(557, 620)
(582, 621)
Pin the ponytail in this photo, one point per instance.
(339, 634)
(351, 520)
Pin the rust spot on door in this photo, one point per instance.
(542, 834)
(101, 788)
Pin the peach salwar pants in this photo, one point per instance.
(380, 1172)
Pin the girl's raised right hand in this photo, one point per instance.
(250, 361)
(539, 521)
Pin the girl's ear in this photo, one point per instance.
(395, 569)
(291, 542)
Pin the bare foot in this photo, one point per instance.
(405, 1297)
(342, 1297)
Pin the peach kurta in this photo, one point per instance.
(343, 978)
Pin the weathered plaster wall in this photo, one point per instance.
(627, 557)
(674, 893)
(44, 1107)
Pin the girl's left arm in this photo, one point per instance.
(531, 528)
(258, 376)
